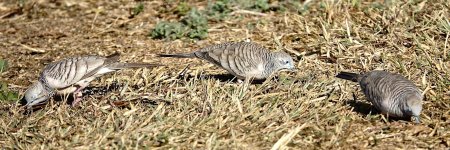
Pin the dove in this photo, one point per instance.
(390, 93)
(242, 59)
(71, 75)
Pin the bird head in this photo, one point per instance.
(36, 94)
(414, 102)
(284, 61)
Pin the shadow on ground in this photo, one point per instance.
(221, 77)
(365, 108)
(95, 90)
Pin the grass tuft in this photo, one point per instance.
(3, 65)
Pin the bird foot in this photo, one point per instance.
(77, 98)
(183, 73)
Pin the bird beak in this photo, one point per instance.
(38, 101)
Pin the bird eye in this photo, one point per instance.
(286, 62)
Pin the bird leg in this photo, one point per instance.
(183, 73)
(78, 95)
(416, 119)
(244, 81)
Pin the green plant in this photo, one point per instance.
(5, 93)
(182, 9)
(255, 5)
(197, 24)
(195, 19)
(171, 30)
(137, 10)
(221, 6)
(261, 5)
(219, 9)
(194, 25)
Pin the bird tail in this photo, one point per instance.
(132, 65)
(183, 55)
(349, 76)
(113, 57)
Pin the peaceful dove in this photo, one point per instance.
(242, 59)
(71, 75)
(390, 93)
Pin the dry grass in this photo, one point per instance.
(154, 109)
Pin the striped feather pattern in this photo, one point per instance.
(66, 72)
(389, 92)
(72, 74)
(242, 59)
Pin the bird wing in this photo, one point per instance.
(237, 57)
(376, 88)
(64, 73)
(101, 64)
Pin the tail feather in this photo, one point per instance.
(132, 65)
(113, 58)
(184, 55)
(348, 76)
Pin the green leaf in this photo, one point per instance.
(262, 5)
(195, 19)
(7, 95)
(218, 10)
(171, 30)
(182, 9)
(138, 9)
(12, 96)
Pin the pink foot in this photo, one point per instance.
(77, 98)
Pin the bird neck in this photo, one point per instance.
(269, 65)
(44, 83)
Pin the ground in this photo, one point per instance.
(157, 108)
